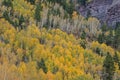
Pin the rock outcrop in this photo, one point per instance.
(107, 11)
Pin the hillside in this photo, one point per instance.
(50, 40)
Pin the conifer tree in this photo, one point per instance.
(83, 35)
(109, 67)
(116, 59)
(101, 38)
(21, 21)
(42, 65)
(82, 2)
(31, 1)
(6, 16)
(37, 13)
(8, 3)
(117, 35)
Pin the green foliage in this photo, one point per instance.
(104, 28)
(116, 59)
(101, 38)
(83, 35)
(55, 69)
(18, 22)
(82, 2)
(6, 16)
(8, 3)
(83, 43)
(21, 21)
(109, 68)
(117, 36)
(110, 36)
(37, 13)
(41, 64)
(99, 52)
(69, 7)
(31, 1)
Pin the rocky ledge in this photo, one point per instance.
(107, 11)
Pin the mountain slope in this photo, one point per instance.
(46, 40)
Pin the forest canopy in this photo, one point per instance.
(50, 40)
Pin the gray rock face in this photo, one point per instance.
(107, 11)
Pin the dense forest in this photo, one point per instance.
(51, 40)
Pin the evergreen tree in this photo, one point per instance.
(83, 43)
(109, 67)
(117, 35)
(88, 14)
(6, 16)
(55, 69)
(37, 13)
(101, 38)
(83, 35)
(21, 20)
(104, 28)
(8, 3)
(25, 58)
(116, 59)
(98, 51)
(82, 2)
(31, 1)
(110, 38)
(42, 65)
(68, 7)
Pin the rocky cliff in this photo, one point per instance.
(107, 11)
